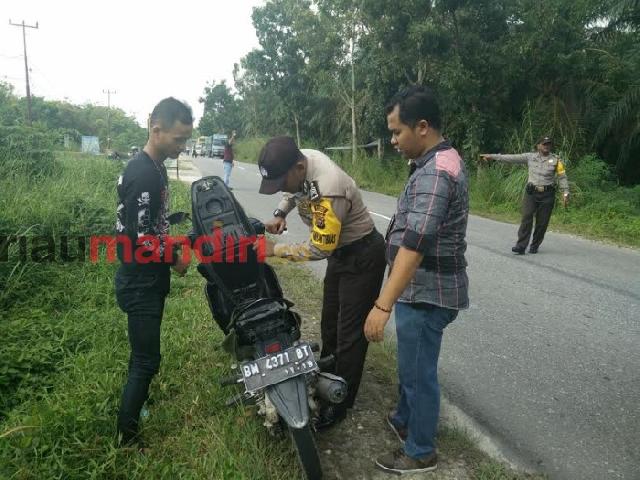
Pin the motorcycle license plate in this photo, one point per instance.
(277, 367)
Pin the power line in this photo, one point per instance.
(109, 92)
(26, 63)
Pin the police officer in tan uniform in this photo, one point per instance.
(342, 231)
(545, 168)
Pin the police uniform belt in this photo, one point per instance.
(531, 188)
(353, 247)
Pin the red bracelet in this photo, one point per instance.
(375, 304)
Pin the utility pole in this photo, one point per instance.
(109, 92)
(26, 64)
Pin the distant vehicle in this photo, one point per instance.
(200, 147)
(217, 149)
(203, 146)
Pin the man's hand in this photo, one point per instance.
(565, 200)
(485, 157)
(181, 266)
(276, 225)
(374, 325)
(268, 246)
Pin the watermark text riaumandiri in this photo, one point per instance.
(146, 249)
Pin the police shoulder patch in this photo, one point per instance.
(314, 191)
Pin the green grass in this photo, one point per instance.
(64, 354)
(598, 209)
(247, 150)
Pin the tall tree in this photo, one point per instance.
(281, 61)
(221, 110)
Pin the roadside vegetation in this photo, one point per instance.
(64, 352)
(506, 74)
(600, 207)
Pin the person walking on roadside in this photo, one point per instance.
(227, 158)
(342, 231)
(545, 168)
(427, 284)
(142, 282)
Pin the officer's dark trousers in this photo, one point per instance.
(351, 285)
(142, 298)
(538, 205)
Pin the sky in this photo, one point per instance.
(143, 50)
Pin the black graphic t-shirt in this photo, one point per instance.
(143, 208)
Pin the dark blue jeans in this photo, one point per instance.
(419, 328)
(141, 297)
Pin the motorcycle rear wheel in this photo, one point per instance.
(305, 444)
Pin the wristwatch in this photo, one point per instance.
(279, 213)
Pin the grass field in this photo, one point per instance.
(64, 354)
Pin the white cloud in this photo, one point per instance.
(144, 50)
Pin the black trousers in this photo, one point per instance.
(141, 297)
(351, 285)
(538, 205)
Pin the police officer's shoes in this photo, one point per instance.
(329, 416)
(400, 463)
(533, 250)
(517, 250)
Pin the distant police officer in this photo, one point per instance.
(342, 231)
(544, 169)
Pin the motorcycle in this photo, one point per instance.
(275, 366)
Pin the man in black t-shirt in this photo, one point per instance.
(143, 279)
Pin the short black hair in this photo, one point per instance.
(170, 110)
(416, 103)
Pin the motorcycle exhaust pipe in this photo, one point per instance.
(331, 388)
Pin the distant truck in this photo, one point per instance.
(203, 146)
(217, 147)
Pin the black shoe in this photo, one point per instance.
(400, 463)
(533, 250)
(330, 416)
(517, 250)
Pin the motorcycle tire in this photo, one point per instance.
(305, 444)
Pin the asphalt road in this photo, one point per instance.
(547, 359)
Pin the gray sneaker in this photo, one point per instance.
(401, 432)
(400, 463)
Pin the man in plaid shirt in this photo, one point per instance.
(428, 282)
